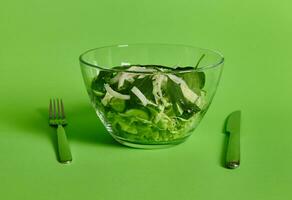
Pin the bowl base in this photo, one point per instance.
(151, 145)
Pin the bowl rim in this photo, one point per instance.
(203, 68)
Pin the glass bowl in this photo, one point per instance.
(151, 95)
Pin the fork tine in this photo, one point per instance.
(59, 110)
(54, 105)
(50, 110)
(62, 110)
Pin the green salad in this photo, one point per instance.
(148, 103)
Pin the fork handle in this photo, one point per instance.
(63, 146)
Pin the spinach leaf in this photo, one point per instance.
(181, 106)
(195, 80)
(99, 81)
(145, 86)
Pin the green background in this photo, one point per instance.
(40, 42)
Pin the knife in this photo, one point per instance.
(233, 148)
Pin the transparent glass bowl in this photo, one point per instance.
(151, 95)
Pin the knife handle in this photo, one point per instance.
(233, 151)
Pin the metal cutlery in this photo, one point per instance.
(57, 119)
(233, 148)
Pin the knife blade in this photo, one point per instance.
(233, 148)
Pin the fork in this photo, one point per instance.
(57, 119)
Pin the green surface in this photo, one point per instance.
(40, 43)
